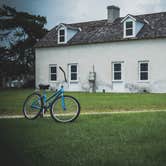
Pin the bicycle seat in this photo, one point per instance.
(42, 86)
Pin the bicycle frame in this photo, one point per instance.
(48, 102)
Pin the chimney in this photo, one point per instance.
(113, 13)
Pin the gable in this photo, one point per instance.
(128, 18)
(69, 32)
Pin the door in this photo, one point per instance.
(73, 77)
(118, 76)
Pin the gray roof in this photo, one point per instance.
(101, 31)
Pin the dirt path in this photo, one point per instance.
(86, 113)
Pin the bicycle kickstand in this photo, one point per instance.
(42, 113)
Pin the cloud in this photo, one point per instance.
(151, 6)
(70, 11)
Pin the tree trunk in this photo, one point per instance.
(3, 82)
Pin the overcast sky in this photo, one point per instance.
(70, 11)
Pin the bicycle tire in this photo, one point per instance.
(31, 111)
(72, 109)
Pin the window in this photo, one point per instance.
(117, 71)
(143, 71)
(73, 72)
(61, 35)
(129, 29)
(53, 72)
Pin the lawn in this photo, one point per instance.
(11, 101)
(92, 140)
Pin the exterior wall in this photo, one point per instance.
(102, 56)
(138, 27)
(71, 33)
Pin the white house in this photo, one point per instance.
(114, 55)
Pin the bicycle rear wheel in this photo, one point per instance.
(32, 106)
(65, 109)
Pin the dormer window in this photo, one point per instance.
(129, 28)
(65, 32)
(132, 26)
(61, 36)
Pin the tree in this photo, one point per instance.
(19, 31)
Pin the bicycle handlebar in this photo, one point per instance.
(63, 73)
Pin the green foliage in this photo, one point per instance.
(19, 32)
(32, 25)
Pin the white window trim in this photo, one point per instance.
(69, 67)
(117, 62)
(62, 28)
(124, 29)
(139, 71)
(53, 65)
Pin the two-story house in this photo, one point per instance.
(119, 54)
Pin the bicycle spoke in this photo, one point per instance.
(32, 106)
(65, 109)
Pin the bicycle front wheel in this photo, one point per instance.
(32, 106)
(65, 109)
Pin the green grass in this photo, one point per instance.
(11, 101)
(96, 140)
(114, 102)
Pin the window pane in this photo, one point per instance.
(62, 32)
(53, 77)
(144, 66)
(129, 24)
(117, 76)
(73, 68)
(144, 76)
(117, 67)
(129, 32)
(62, 39)
(73, 76)
(53, 69)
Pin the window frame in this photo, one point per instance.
(50, 74)
(125, 29)
(69, 67)
(59, 35)
(139, 71)
(113, 72)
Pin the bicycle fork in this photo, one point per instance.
(63, 102)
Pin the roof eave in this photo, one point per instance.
(98, 42)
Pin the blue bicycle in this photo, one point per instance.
(63, 108)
